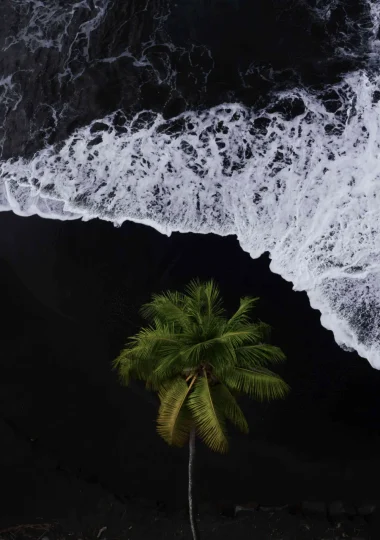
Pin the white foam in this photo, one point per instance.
(54, 25)
(306, 190)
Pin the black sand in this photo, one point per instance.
(78, 449)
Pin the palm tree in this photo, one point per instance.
(198, 360)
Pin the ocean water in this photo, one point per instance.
(258, 119)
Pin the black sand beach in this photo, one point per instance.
(79, 450)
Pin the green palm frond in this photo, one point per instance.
(208, 416)
(150, 338)
(174, 419)
(222, 352)
(168, 307)
(146, 349)
(242, 314)
(133, 362)
(221, 357)
(265, 331)
(259, 355)
(240, 336)
(168, 360)
(203, 300)
(194, 300)
(124, 365)
(192, 354)
(212, 299)
(217, 351)
(169, 366)
(228, 404)
(258, 383)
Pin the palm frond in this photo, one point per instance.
(265, 331)
(203, 300)
(242, 314)
(168, 307)
(228, 404)
(144, 352)
(174, 419)
(133, 362)
(208, 416)
(168, 366)
(221, 357)
(203, 351)
(124, 365)
(259, 355)
(259, 383)
(151, 337)
(240, 336)
(193, 299)
(212, 299)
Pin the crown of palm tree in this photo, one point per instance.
(198, 359)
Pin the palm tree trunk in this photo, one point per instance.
(193, 523)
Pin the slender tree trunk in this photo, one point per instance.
(193, 523)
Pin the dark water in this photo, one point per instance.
(66, 63)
